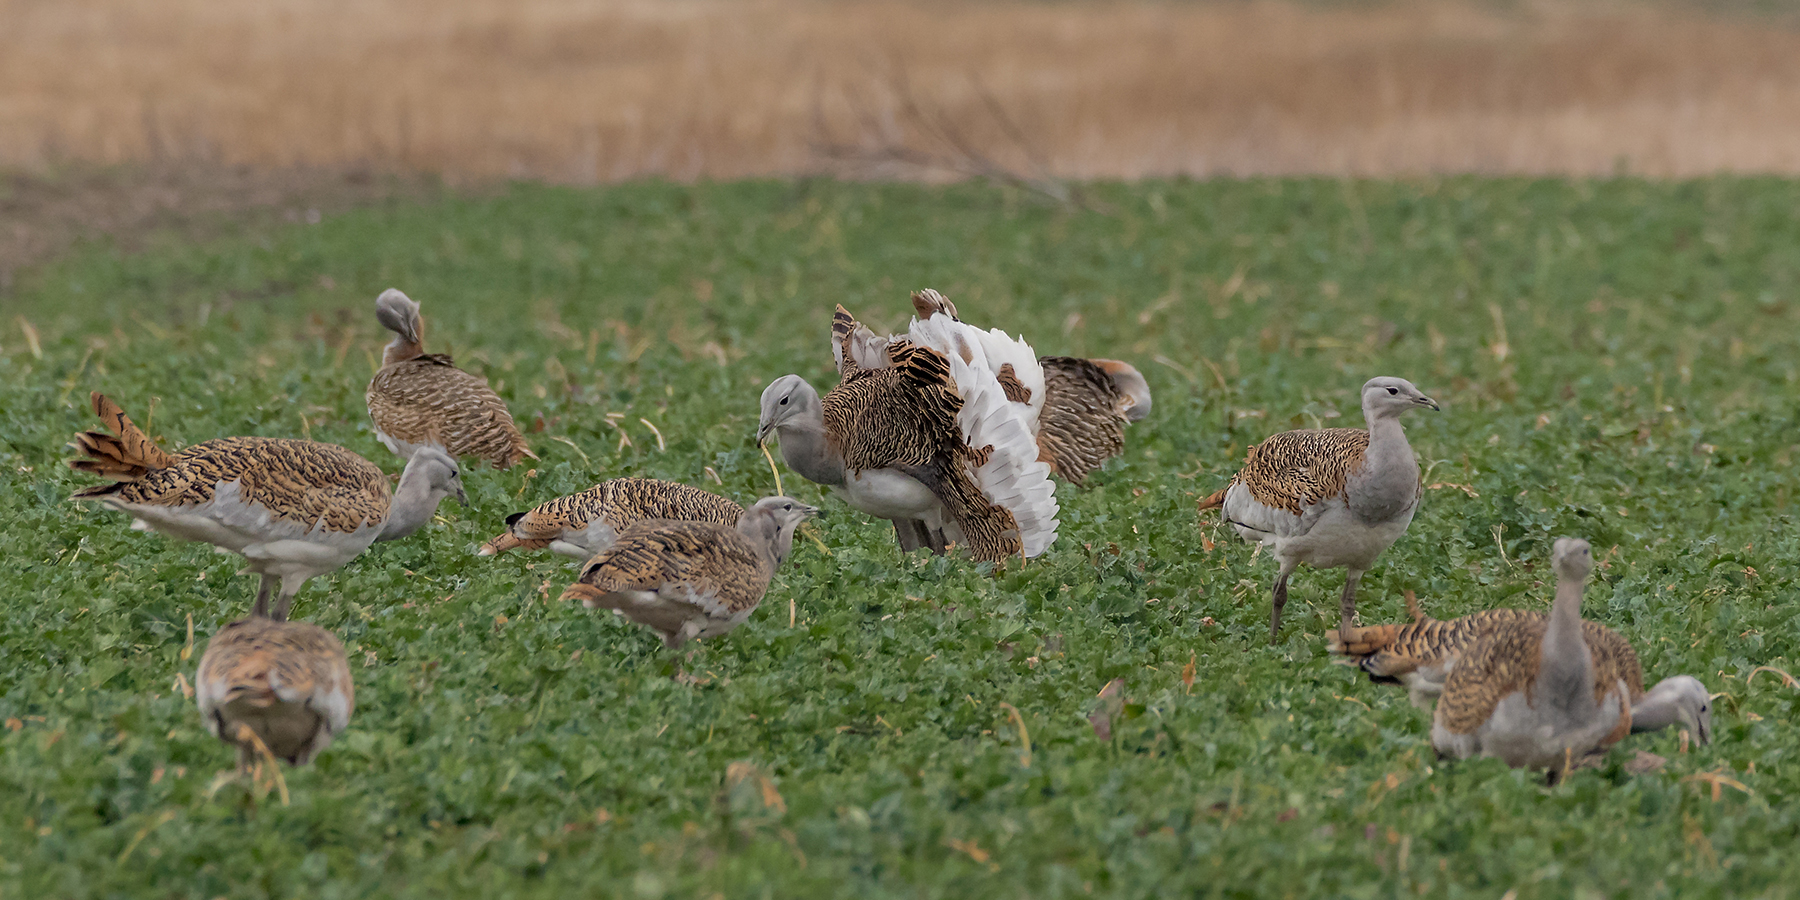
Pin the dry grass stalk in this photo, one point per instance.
(1038, 92)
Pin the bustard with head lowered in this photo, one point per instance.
(691, 580)
(1331, 498)
(923, 438)
(1538, 693)
(420, 399)
(284, 685)
(293, 509)
(1076, 407)
(585, 523)
(1421, 654)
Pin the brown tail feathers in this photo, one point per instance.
(1215, 500)
(1362, 642)
(929, 302)
(125, 455)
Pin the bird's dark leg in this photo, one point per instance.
(1347, 605)
(910, 533)
(282, 604)
(261, 606)
(1281, 584)
(935, 540)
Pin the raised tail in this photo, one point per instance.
(1005, 463)
(125, 455)
(1362, 643)
(854, 346)
(928, 303)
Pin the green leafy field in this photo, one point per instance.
(1617, 360)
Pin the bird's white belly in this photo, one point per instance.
(583, 543)
(888, 494)
(1524, 737)
(1337, 538)
(306, 558)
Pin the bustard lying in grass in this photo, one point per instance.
(1078, 408)
(293, 509)
(1421, 654)
(585, 523)
(422, 399)
(1537, 693)
(690, 580)
(922, 438)
(1329, 498)
(286, 683)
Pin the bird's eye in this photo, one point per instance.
(1394, 391)
(784, 401)
(787, 506)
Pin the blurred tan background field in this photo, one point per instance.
(588, 92)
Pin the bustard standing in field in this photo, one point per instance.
(422, 399)
(585, 523)
(1421, 654)
(691, 580)
(1537, 693)
(922, 438)
(286, 683)
(1330, 498)
(1078, 408)
(293, 509)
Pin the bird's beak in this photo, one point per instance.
(1703, 730)
(1427, 401)
(815, 512)
(762, 433)
(462, 497)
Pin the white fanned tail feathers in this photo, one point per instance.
(952, 337)
(1012, 477)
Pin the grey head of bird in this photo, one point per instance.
(1693, 704)
(785, 398)
(443, 477)
(399, 314)
(1572, 558)
(1386, 396)
(771, 522)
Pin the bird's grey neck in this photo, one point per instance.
(399, 350)
(772, 542)
(807, 450)
(1387, 485)
(1566, 667)
(413, 506)
(1660, 708)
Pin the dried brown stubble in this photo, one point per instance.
(705, 88)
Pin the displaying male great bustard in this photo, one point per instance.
(923, 438)
(1329, 498)
(293, 509)
(422, 399)
(1077, 408)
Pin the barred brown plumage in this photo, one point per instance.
(690, 580)
(419, 399)
(285, 682)
(1538, 692)
(1329, 498)
(584, 523)
(1082, 424)
(293, 509)
(1420, 654)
